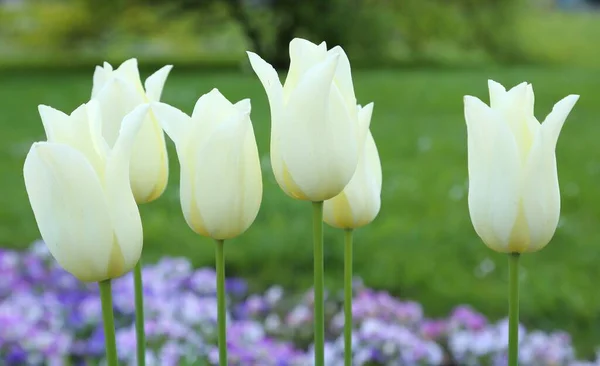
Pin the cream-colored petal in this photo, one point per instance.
(364, 121)
(554, 121)
(303, 56)
(123, 209)
(360, 201)
(497, 93)
(117, 99)
(243, 106)
(211, 109)
(101, 77)
(79, 130)
(228, 184)
(149, 166)
(541, 195)
(319, 137)
(174, 122)
(515, 110)
(343, 76)
(494, 175)
(155, 83)
(270, 81)
(70, 209)
(129, 72)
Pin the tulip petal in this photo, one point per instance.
(211, 109)
(303, 56)
(494, 174)
(155, 83)
(270, 81)
(116, 99)
(178, 126)
(364, 121)
(228, 184)
(541, 193)
(554, 121)
(360, 201)
(80, 130)
(174, 122)
(70, 209)
(497, 93)
(101, 77)
(124, 212)
(343, 76)
(318, 135)
(129, 72)
(149, 169)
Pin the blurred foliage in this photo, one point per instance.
(373, 32)
(481, 25)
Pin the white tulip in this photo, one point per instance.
(118, 93)
(80, 194)
(315, 135)
(514, 197)
(221, 183)
(360, 201)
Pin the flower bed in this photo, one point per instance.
(48, 317)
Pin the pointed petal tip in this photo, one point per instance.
(42, 108)
(244, 106)
(369, 106)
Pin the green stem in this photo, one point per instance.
(513, 309)
(319, 284)
(348, 297)
(221, 310)
(139, 314)
(109, 323)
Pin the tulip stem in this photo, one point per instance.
(348, 297)
(319, 284)
(109, 322)
(513, 309)
(139, 314)
(221, 309)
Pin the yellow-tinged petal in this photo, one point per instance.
(70, 209)
(360, 201)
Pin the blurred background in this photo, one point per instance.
(415, 59)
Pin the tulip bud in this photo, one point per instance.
(315, 135)
(514, 197)
(221, 183)
(118, 93)
(359, 202)
(80, 194)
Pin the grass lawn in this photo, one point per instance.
(422, 246)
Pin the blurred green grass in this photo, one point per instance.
(422, 246)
